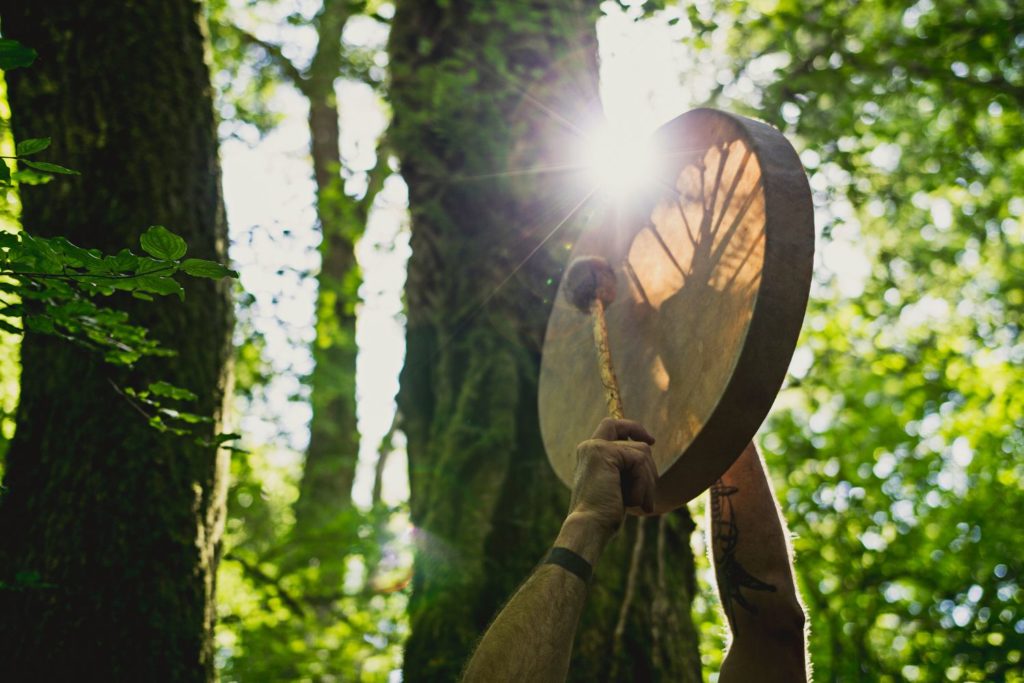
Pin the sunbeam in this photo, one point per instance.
(619, 159)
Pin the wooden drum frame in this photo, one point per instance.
(712, 278)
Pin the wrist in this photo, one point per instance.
(584, 536)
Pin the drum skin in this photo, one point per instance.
(713, 270)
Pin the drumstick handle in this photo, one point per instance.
(604, 360)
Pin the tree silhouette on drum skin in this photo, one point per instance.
(531, 639)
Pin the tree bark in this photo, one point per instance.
(481, 90)
(333, 452)
(110, 530)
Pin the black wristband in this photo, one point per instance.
(567, 559)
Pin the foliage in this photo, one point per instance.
(898, 446)
(54, 285)
(57, 284)
(277, 620)
(249, 68)
(14, 55)
(10, 366)
(51, 286)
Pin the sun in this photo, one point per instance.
(619, 160)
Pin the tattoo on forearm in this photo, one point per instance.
(731, 574)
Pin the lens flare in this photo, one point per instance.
(620, 160)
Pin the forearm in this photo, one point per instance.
(755, 576)
(532, 637)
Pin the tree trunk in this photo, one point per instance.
(479, 89)
(333, 452)
(110, 529)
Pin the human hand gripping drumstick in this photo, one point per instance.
(590, 287)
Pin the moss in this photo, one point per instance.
(466, 79)
(122, 522)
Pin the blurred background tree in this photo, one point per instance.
(254, 63)
(290, 538)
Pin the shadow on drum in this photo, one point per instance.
(692, 274)
(695, 271)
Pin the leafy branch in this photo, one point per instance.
(54, 285)
(27, 148)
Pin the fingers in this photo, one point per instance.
(619, 430)
(615, 474)
(639, 476)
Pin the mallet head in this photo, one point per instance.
(589, 278)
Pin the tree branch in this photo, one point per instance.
(276, 56)
(254, 572)
(627, 598)
(330, 24)
(375, 178)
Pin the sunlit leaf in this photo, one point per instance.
(168, 390)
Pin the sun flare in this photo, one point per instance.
(619, 160)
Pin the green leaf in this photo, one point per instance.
(225, 437)
(189, 418)
(7, 327)
(73, 309)
(219, 440)
(13, 55)
(31, 146)
(39, 323)
(168, 390)
(197, 267)
(124, 261)
(149, 266)
(26, 176)
(38, 254)
(75, 256)
(161, 243)
(49, 168)
(5, 172)
(159, 285)
(13, 310)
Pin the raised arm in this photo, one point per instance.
(531, 638)
(754, 573)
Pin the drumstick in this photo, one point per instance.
(590, 287)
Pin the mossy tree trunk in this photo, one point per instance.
(481, 88)
(114, 526)
(333, 451)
